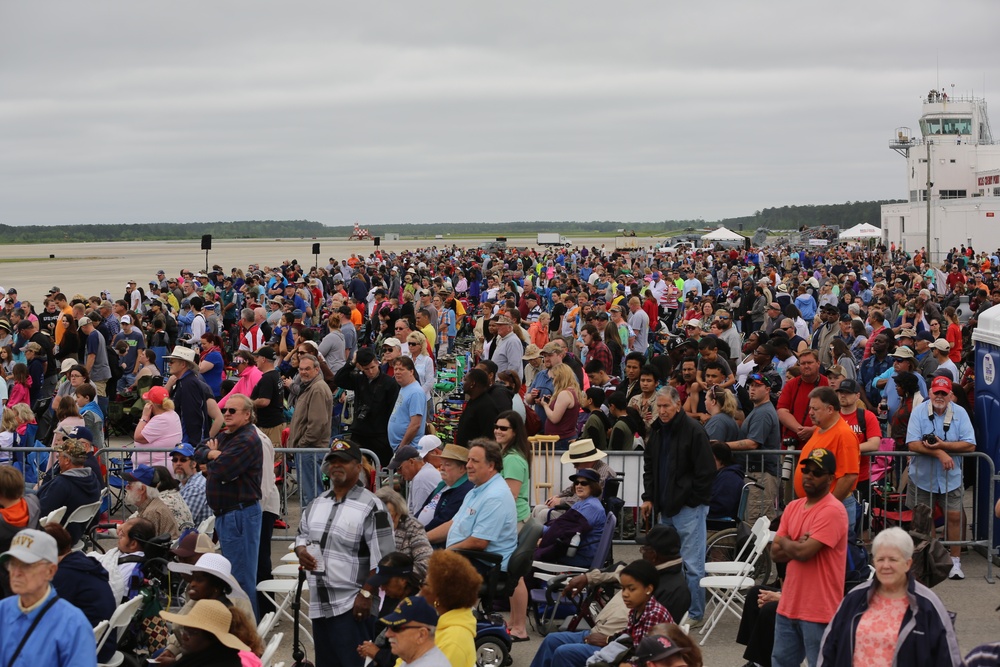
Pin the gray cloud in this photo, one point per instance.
(452, 112)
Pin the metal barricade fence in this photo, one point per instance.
(882, 501)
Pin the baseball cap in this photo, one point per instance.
(906, 333)
(143, 474)
(31, 546)
(126, 319)
(926, 336)
(414, 609)
(693, 324)
(849, 386)
(758, 378)
(941, 344)
(266, 351)
(392, 342)
(428, 444)
(81, 433)
(346, 450)
(82, 322)
(653, 648)
(663, 539)
(823, 458)
(403, 454)
(184, 449)
(551, 347)
(155, 395)
(941, 383)
(392, 565)
(837, 370)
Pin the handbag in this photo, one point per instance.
(931, 559)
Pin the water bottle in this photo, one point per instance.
(574, 544)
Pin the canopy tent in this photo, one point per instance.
(723, 234)
(862, 231)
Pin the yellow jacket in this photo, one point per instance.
(456, 637)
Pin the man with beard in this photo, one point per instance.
(192, 482)
(142, 494)
(812, 539)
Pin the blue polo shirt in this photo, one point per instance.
(411, 401)
(926, 471)
(488, 513)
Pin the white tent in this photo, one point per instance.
(862, 231)
(723, 234)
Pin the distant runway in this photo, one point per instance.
(88, 268)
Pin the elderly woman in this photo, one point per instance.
(586, 517)
(892, 619)
(63, 635)
(205, 635)
(158, 428)
(452, 588)
(408, 532)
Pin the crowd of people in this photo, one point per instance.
(700, 359)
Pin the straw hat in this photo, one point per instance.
(582, 451)
(210, 616)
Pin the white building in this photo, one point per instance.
(957, 146)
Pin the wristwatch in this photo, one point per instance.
(365, 594)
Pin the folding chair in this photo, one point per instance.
(100, 629)
(84, 514)
(741, 565)
(272, 588)
(555, 577)
(725, 590)
(55, 516)
(266, 625)
(207, 527)
(270, 650)
(119, 621)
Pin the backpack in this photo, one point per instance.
(114, 361)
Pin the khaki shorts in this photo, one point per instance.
(948, 502)
(102, 387)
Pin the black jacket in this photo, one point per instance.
(81, 581)
(373, 401)
(690, 469)
(926, 636)
(72, 489)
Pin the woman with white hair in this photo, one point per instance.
(407, 531)
(892, 619)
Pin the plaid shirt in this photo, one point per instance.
(652, 614)
(602, 353)
(354, 535)
(234, 477)
(193, 493)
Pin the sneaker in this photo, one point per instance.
(696, 622)
(956, 572)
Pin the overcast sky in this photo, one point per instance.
(121, 112)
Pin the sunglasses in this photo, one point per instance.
(229, 411)
(940, 393)
(412, 343)
(498, 427)
(581, 483)
(814, 472)
(179, 459)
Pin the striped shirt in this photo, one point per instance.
(353, 534)
(193, 493)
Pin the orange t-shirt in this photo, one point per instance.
(841, 441)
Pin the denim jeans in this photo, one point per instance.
(690, 525)
(338, 638)
(794, 640)
(851, 505)
(310, 475)
(239, 537)
(563, 649)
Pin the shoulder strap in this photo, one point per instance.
(863, 423)
(31, 629)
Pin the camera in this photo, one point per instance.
(930, 438)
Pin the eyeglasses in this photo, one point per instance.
(412, 343)
(179, 459)
(581, 483)
(813, 472)
(940, 393)
(498, 427)
(400, 328)
(229, 411)
(403, 628)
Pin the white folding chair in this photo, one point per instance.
(286, 570)
(207, 527)
(290, 557)
(83, 514)
(273, 588)
(119, 620)
(726, 590)
(272, 647)
(100, 629)
(265, 625)
(55, 516)
(742, 565)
